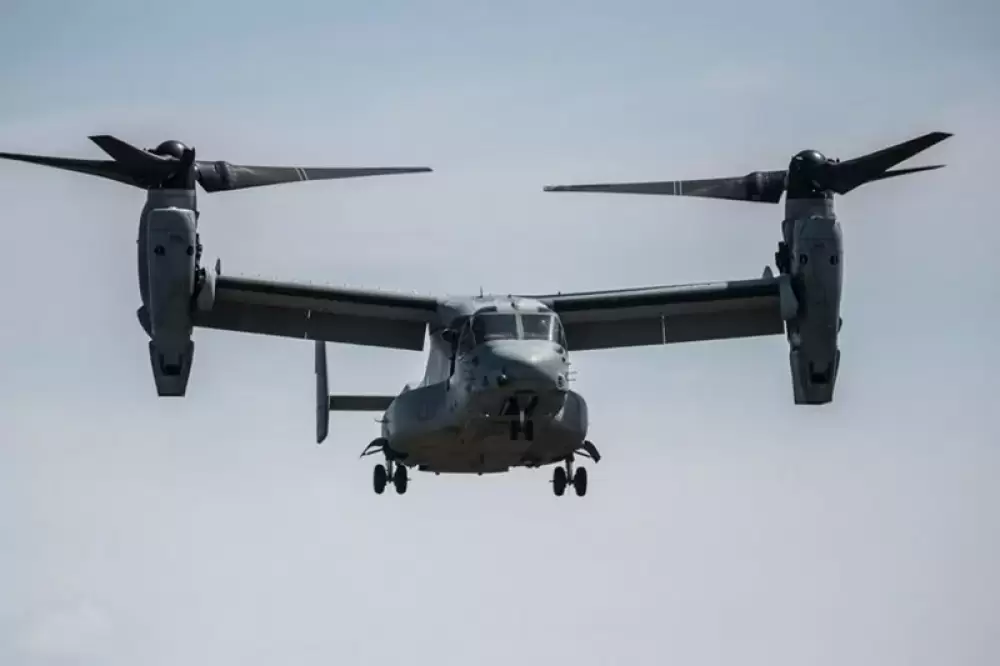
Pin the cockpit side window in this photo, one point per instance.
(494, 326)
(543, 327)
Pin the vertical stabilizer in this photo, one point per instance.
(322, 394)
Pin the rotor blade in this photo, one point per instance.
(222, 176)
(763, 186)
(100, 168)
(853, 173)
(905, 172)
(126, 153)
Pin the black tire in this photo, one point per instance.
(580, 481)
(400, 479)
(559, 481)
(379, 479)
(529, 431)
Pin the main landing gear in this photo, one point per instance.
(561, 476)
(392, 470)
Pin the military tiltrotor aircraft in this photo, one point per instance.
(496, 388)
(810, 254)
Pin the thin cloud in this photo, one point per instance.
(79, 630)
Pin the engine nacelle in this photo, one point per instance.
(172, 264)
(815, 248)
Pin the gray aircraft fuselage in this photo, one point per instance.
(494, 398)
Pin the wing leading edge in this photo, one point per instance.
(666, 314)
(350, 316)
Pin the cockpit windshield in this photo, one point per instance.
(494, 326)
(490, 326)
(542, 327)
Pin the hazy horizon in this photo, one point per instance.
(725, 525)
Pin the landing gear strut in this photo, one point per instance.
(526, 428)
(562, 476)
(390, 471)
(523, 425)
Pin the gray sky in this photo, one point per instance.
(724, 526)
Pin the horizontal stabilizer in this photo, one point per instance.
(326, 403)
(360, 403)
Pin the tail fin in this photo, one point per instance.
(322, 394)
(326, 403)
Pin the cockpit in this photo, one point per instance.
(490, 326)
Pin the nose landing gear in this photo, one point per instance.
(523, 425)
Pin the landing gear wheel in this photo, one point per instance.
(580, 481)
(379, 479)
(400, 479)
(529, 431)
(559, 481)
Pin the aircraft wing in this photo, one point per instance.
(666, 314)
(351, 316)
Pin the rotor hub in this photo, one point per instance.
(808, 159)
(172, 148)
(807, 173)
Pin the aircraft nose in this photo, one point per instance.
(524, 365)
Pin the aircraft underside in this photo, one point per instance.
(462, 443)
